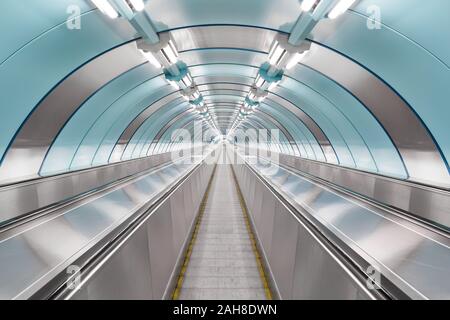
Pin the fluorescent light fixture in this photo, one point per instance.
(203, 109)
(273, 48)
(191, 95)
(259, 81)
(246, 109)
(340, 8)
(151, 58)
(276, 54)
(173, 84)
(295, 59)
(106, 8)
(196, 95)
(170, 52)
(256, 95)
(307, 5)
(187, 80)
(136, 5)
(273, 85)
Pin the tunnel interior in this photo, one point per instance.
(353, 95)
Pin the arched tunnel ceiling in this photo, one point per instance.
(373, 100)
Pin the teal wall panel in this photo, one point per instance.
(33, 71)
(25, 20)
(107, 126)
(71, 136)
(411, 70)
(382, 150)
(155, 122)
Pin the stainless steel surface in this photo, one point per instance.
(264, 115)
(223, 86)
(420, 154)
(407, 132)
(412, 257)
(286, 242)
(278, 125)
(409, 135)
(245, 38)
(128, 133)
(181, 116)
(320, 136)
(126, 275)
(19, 199)
(26, 154)
(34, 258)
(219, 105)
(222, 56)
(284, 235)
(411, 254)
(162, 254)
(427, 203)
(170, 122)
(277, 101)
(222, 264)
(159, 255)
(323, 279)
(225, 79)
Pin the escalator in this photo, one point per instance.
(222, 261)
(217, 230)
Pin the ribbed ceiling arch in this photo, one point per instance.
(340, 105)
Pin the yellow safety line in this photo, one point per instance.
(262, 274)
(201, 211)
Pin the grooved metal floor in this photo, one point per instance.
(223, 263)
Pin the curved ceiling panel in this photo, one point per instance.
(35, 20)
(153, 125)
(396, 117)
(252, 134)
(195, 132)
(99, 142)
(419, 78)
(168, 134)
(419, 33)
(267, 110)
(277, 15)
(311, 126)
(70, 137)
(369, 99)
(45, 124)
(211, 55)
(59, 52)
(141, 122)
(302, 136)
(387, 156)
